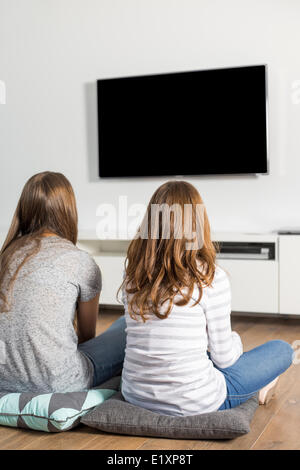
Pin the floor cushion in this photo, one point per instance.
(50, 412)
(117, 416)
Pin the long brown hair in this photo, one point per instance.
(157, 269)
(47, 204)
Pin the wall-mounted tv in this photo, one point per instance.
(204, 122)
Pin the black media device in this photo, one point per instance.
(208, 122)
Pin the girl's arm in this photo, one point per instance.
(225, 345)
(89, 287)
(87, 314)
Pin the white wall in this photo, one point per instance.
(52, 52)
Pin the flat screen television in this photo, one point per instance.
(204, 122)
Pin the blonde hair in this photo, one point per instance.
(158, 269)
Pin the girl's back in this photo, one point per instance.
(167, 368)
(177, 305)
(38, 333)
(44, 282)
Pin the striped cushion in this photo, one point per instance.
(49, 412)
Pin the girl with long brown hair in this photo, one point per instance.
(45, 282)
(177, 308)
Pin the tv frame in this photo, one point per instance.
(186, 175)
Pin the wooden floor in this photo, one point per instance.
(275, 426)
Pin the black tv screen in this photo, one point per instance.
(189, 123)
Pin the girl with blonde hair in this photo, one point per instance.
(182, 358)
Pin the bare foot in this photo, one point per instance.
(267, 393)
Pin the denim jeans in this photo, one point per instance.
(254, 370)
(106, 351)
(251, 372)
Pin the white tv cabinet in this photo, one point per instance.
(270, 286)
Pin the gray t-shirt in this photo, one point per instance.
(37, 334)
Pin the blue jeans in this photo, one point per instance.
(106, 351)
(254, 370)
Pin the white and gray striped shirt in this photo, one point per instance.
(166, 367)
